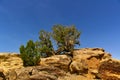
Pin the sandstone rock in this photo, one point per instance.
(74, 77)
(43, 77)
(2, 76)
(23, 76)
(10, 61)
(79, 67)
(87, 61)
(60, 61)
(84, 64)
(36, 73)
(11, 75)
(109, 69)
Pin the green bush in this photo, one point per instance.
(29, 54)
(66, 38)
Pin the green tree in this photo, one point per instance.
(29, 54)
(66, 37)
(45, 44)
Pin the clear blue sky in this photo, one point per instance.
(98, 20)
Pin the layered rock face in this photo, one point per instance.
(60, 61)
(8, 62)
(51, 68)
(110, 69)
(84, 64)
(86, 61)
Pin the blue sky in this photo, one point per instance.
(98, 20)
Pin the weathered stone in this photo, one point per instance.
(12, 75)
(36, 73)
(10, 61)
(110, 69)
(2, 76)
(84, 64)
(60, 61)
(43, 77)
(79, 67)
(87, 61)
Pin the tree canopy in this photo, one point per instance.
(45, 44)
(66, 38)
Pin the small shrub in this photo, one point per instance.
(29, 54)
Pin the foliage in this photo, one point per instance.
(45, 44)
(29, 54)
(66, 37)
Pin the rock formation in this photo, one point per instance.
(60, 61)
(86, 61)
(84, 64)
(109, 69)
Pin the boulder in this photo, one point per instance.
(109, 69)
(36, 73)
(60, 61)
(87, 61)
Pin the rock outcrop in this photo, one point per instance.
(49, 68)
(35, 73)
(2, 76)
(109, 69)
(60, 61)
(86, 61)
(10, 61)
(84, 64)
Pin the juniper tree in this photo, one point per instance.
(45, 44)
(29, 54)
(66, 37)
